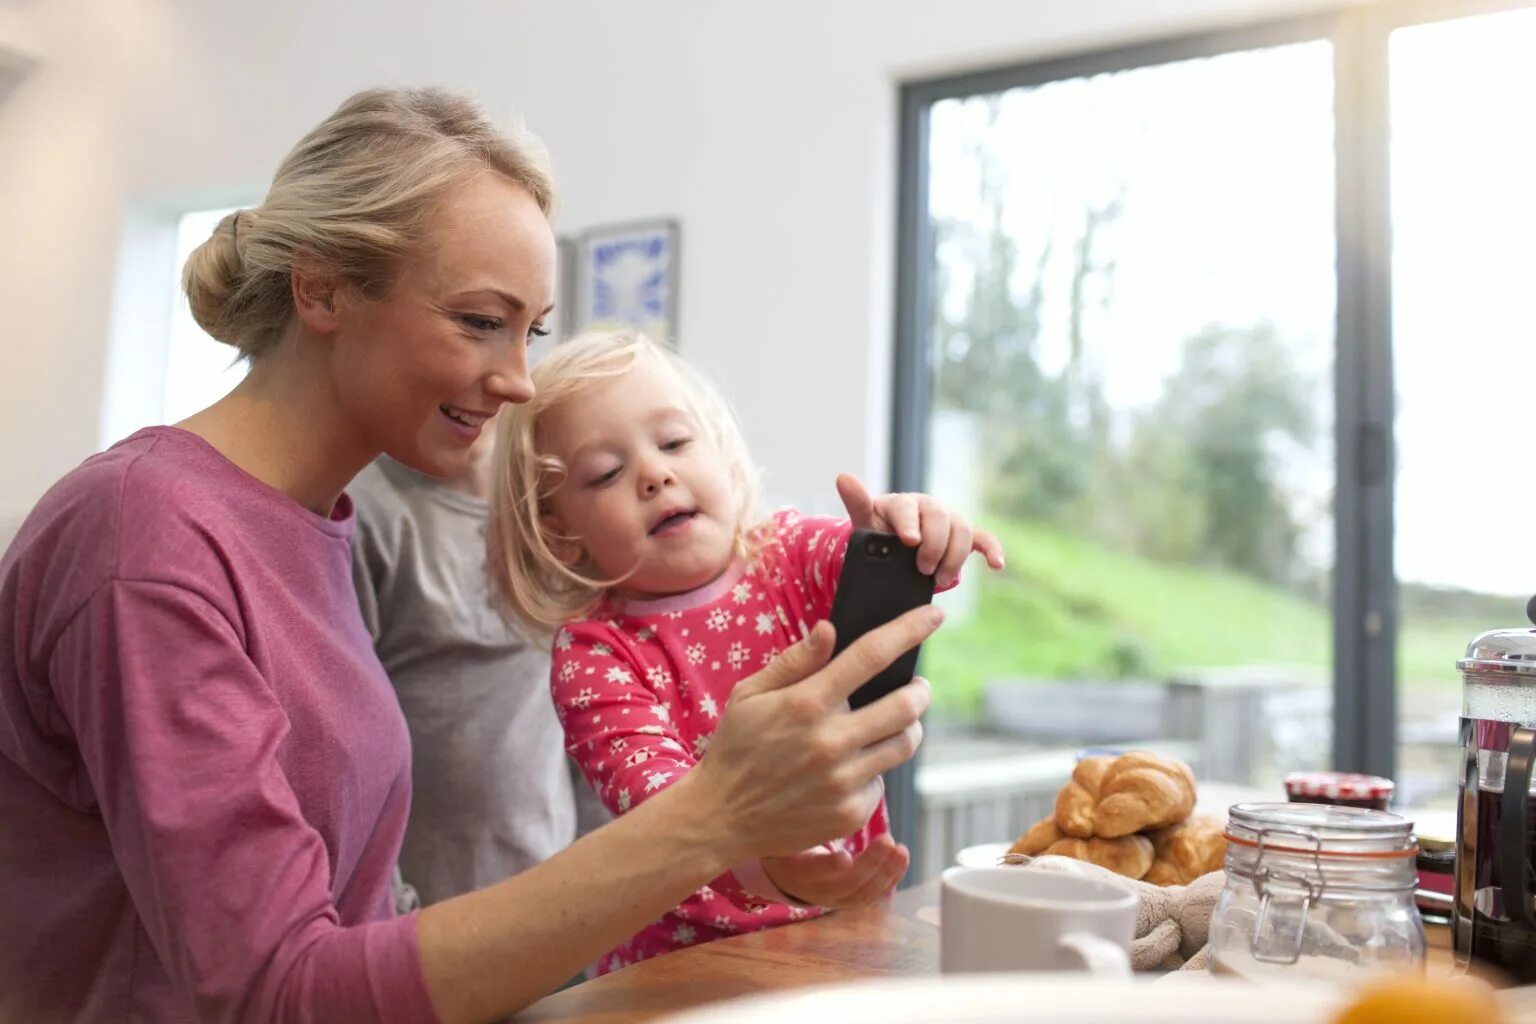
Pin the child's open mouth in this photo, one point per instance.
(673, 521)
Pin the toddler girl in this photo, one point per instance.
(624, 522)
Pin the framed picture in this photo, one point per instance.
(626, 276)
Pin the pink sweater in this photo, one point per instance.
(204, 775)
(640, 690)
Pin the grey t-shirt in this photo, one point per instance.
(492, 790)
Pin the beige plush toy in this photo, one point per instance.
(1172, 921)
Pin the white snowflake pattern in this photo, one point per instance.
(769, 655)
(615, 963)
(816, 573)
(815, 540)
(637, 757)
(683, 934)
(563, 640)
(674, 616)
(700, 744)
(707, 705)
(619, 675)
(714, 666)
(584, 698)
(704, 892)
(724, 923)
(741, 620)
(617, 744)
(764, 624)
(567, 671)
(719, 620)
(738, 655)
(650, 730)
(741, 593)
(695, 654)
(662, 711)
(623, 800)
(655, 780)
(671, 744)
(644, 633)
(798, 912)
(602, 650)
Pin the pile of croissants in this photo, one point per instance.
(1130, 814)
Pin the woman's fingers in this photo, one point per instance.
(799, 662)
(882, 756)
(874, 651)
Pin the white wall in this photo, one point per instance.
(769, 129)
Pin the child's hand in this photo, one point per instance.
(943, 539)
(837, 880)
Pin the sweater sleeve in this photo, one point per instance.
(621, 735)
(178, 734)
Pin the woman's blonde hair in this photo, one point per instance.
(531, 581)
(351, 202)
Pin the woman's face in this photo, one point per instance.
(422, 370)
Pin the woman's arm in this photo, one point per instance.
(789, 767)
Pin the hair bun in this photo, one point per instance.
(213, 276)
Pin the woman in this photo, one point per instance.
(204, 776)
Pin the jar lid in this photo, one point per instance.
(1338, 786)
(1503, 651)
(1324, 829)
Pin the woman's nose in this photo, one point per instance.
(509, 379)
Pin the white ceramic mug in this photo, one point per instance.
(1009, 919)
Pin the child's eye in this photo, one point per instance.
(606, 479)
(677, 445)
(483, 324)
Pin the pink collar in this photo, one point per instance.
(709, 592)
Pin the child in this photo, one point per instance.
(624, 520)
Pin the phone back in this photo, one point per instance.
(880, 581)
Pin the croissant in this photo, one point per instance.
(1186, 851)
(1041, 834)
(1130, 856)
(1141, 791)
(1075, 803)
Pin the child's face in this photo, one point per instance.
(646, 489)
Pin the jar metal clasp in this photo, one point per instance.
(1280, 929)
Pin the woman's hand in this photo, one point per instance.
(838, 880)
(790, 767)
(943, 539)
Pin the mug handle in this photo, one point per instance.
(1515, 842)
(1098, 954)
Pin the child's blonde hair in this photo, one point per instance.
(530, 580)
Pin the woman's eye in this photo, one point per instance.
(484, 324)
(539, 331)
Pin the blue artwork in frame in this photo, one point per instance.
(627, 277)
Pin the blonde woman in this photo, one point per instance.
(626, 522)
(204, 776)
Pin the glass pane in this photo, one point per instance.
(1132, 351)
(1463, 220)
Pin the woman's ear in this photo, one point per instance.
(314, 299)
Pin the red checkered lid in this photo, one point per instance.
(1338, 786)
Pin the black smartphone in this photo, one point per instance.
(880, 581)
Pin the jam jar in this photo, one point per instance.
(1317, 890)
(1341, 789)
